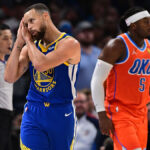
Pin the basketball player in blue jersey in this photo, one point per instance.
(53, 58)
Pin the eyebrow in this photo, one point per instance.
(6, 36)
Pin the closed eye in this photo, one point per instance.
(31, 20)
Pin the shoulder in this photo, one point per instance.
(115, 43)
(113, 51)
(70, 41)
(148, 41)
(70, 47)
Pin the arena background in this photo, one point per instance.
(103, 18)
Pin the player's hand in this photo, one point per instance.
(26, 34)
(106, 125)
(20, 39)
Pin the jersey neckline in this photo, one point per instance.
(141, 49)
(61, 35)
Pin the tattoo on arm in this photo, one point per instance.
(19, 48)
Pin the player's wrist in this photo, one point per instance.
(102, 115)
(19, 45)
(29, 42)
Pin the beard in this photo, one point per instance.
(40, 34)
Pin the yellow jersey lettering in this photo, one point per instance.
(50, 71)
(40, 89)
(46, 104)
(52, 85)
(45, 89)
(54, 82)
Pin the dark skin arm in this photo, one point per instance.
(114, 51)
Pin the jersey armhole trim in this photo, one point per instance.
(127, 52)
(65, 63)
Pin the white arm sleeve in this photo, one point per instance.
(100, 74)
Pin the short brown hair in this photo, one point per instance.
(39, 7)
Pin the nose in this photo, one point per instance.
(10, 42)
(29, 27)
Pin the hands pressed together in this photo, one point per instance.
(23, 35)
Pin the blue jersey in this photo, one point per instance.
(56, 85)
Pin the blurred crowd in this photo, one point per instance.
(93, 23)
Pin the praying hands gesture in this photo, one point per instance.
(25, 33)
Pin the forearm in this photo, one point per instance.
(100, 74)
(102, 114)
(12, 65)
(35, 55)
(97, 90)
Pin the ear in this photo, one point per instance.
(133, 26)
(45, 15)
